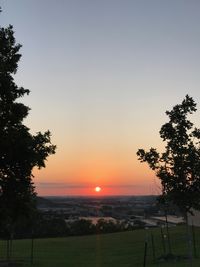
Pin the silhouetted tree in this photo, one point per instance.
(178, 168)
(82, 227)
(50, 227)
(109, 226)
(20, 151)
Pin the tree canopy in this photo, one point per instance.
(20, 151)
(178, 167)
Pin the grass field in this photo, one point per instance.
(116, 250)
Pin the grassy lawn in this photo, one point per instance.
(120, 249)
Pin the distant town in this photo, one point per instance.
(132, 211)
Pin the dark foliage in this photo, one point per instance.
(20, 151)
(178, 168)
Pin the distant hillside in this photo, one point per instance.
(44, 202)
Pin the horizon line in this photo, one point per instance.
(143, 195)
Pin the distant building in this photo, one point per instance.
(149, 223)
(161, 220)
(173, 220)
(194, 219)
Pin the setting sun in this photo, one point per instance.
(97, 189)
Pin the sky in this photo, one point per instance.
(102, 73)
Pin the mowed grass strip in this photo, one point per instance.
(118, 249)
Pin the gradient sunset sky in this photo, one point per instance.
(102, 73)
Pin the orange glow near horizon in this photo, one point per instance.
(132, 178)
(74, 175)
(86, 190)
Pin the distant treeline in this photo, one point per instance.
(44, 227)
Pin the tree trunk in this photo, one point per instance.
(189, 240)
(168, 234)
